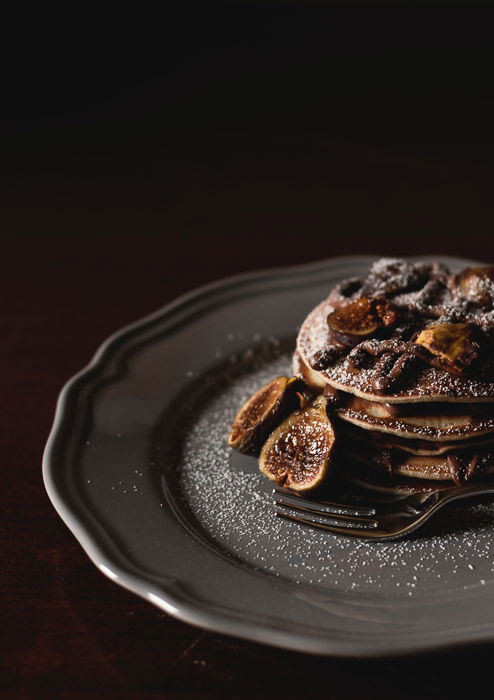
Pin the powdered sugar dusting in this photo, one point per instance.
(232, 502)
(404, 428)
(313, 338)
(422, 294)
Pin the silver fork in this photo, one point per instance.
(383, 521)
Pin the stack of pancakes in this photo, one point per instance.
(411, 384)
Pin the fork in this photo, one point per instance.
(382, 521)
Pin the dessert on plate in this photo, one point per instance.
(392, 386)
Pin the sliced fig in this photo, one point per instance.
(263, 412)
(361, 319)
(354, 322)
(298, 453)
(477, 284)
(455, 345)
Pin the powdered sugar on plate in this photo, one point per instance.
(232, 502)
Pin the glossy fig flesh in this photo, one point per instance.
(360, 319)
(298, 453)
(455, 345)
(263, 412)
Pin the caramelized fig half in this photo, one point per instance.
(455, 345)
(263, 412)
(477, 284)
(298, 453)
(361, 319)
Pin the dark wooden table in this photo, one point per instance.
(106, 215)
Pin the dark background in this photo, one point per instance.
(143, 156)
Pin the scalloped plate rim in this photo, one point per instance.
(169, 596)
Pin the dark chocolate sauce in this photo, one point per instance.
(461, 468)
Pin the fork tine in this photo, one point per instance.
(326, 506)
(337, 519)
(333, 524)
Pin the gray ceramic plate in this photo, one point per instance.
(137, 467)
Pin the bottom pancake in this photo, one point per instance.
(457, 466)
(371, 479)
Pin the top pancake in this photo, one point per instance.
(433, 299)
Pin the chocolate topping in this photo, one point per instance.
(390, 277)
(326, 357)
(398, 373)
(382, 370)
(385, 458)
(462, 467)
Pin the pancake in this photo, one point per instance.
(419, 413)
(314, 380)
(368, 479)
(456, 466)
(453, 422)
(400, 486)
(438, 421)
(415, 446)
(428, 384)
